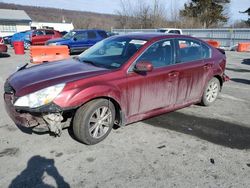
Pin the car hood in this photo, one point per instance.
(41, 76)
(57, 40)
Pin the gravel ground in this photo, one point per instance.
(193, 147)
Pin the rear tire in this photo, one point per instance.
(94, 121)
(211, 92)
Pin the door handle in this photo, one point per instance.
(173, 74)
(207, 66)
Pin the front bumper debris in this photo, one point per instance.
(54, 123)
(46, 118)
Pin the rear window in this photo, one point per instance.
(103, 34)
(91, 35)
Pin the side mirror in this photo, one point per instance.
(74, 39)
(143, 66)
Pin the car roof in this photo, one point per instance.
(169, 28)
(80, 30)
(151, 36)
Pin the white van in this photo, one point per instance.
(170, 30)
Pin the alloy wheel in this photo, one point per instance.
(100, 121)
(212, 92)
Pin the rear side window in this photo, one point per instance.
(160, 54)
(49, 32)
(206, 51)
(161, 30)
(189, 50)
(91, 35)
(103, 34)
(38, 32)
(175, 31)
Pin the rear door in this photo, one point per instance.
(37, 37)
(92, 38)
(192, 68)
(156, 89)
(49, 34)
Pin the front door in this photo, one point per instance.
(79, 41)
(157, 89)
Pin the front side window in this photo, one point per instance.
(206, 51)
(80, 36)
(38, 33)
(160, 54)
(112, 53)
(69, 35)
(189, 50)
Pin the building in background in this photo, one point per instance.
(12, 21)
(57, 26)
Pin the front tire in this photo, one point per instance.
(211, 92)
(26, 45)
(94, 121)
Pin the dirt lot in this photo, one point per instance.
(193, 147)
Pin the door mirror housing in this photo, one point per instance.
(143, 66)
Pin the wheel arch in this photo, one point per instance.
(119, 115)
(220, 80)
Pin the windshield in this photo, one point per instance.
(69, 35)
(112, 53)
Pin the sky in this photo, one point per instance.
(111, 6)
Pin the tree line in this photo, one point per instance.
(142, 14)
(195, 14)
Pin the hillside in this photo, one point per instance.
(80, 19)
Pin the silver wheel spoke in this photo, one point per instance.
(104, 111)
(101, 130)
(93, 127)
(100, 122)
(106, 116)
(96, 131)
(98, 114)
(106, 124)
(94, 120)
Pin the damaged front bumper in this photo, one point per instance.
(42, 119)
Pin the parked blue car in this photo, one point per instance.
(21, 36)
(79, 40)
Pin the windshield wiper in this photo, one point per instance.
(90, 62)
(76, 58)
(22, 67)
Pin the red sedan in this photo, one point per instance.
(120, 80)
(40, 36)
